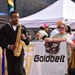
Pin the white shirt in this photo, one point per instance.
(14, 27)
(55, 31)
(42, 32)
(72, 37)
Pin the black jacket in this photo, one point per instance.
(8, 35)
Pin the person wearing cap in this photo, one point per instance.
(56, 30)
(43, 30)
(62, 36)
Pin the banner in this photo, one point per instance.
(39, 62)
(10, 5)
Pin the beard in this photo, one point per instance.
(15, 22)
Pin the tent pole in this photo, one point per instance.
(14, 4)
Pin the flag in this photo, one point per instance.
(10, 5)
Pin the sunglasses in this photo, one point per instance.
(61, 28)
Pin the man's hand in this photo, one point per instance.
(23, 36)
(12, 47)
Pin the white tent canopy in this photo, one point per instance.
(60, 10)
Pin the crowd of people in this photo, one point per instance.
(9, 32)
(62, 33)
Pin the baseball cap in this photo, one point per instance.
(59, 23)
(45, 26)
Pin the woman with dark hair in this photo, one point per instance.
(43, 30)
(68, 29)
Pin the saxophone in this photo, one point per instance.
(19, 43)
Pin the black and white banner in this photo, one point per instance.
(39, 62)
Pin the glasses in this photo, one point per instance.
(61, 28)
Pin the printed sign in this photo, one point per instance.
(39, 62)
